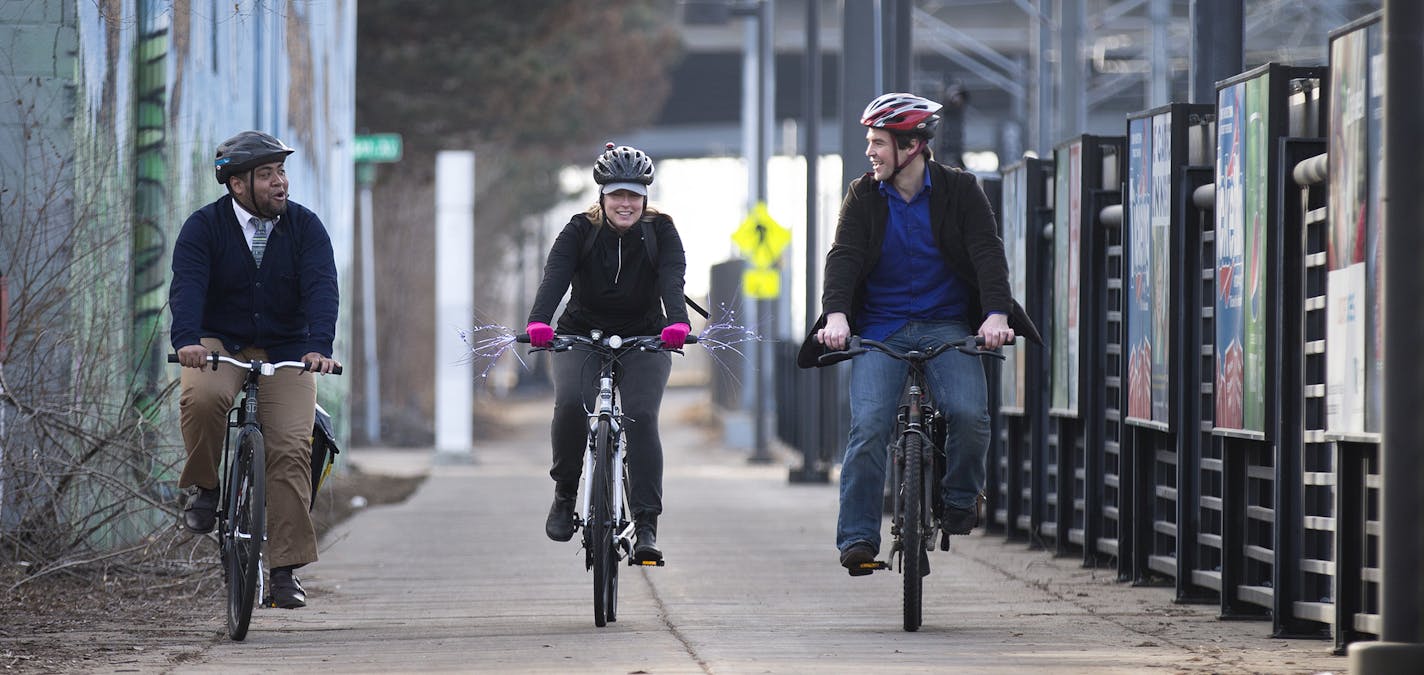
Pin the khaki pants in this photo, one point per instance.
(286, 404)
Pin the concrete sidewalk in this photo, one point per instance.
(461, 578)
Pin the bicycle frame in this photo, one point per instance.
(233, 541)
(605, 549)
(246, 423)
(913, 418)
(916, 473)
(606, 408)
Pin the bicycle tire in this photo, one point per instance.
(912, 489)
(601, 507)
(611, 610)
(244, 530)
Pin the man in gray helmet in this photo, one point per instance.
(254, 277)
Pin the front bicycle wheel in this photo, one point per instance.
(244, 530)
(605, 579)
(911, 525)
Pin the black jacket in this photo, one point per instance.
(965, 232)
(287, 307)
(616, 289)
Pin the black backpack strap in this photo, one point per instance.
(589, 238)
(650, 241)
(696, 307)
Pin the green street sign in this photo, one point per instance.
(377, 148)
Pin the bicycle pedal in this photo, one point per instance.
(867, 567)
(646, 563)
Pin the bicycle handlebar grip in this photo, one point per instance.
(691, 339)
(522, 337)
(173, 358)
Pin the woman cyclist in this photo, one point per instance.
(620, 289)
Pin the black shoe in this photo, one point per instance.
(560, 525)
(646, 548)
(858, 554)
(287, 591)
(959, 521)
(202, 511)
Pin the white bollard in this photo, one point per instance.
(454, 305)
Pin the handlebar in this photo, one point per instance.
(971, 345)
(261, 367)
(647, 343)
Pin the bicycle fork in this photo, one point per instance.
(607, 410)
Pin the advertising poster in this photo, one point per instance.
(1230, 251)
(1374, 229)
(1160, 179)
(1139, 264)
(1011, 376)
(1066, 270)
(1256, 189)
(1346, 299)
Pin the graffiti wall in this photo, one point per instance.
(121, 105)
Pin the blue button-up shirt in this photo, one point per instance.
(911, 282)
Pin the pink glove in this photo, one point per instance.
(675, 335)
(540, 334)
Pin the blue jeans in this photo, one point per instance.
(956, 381)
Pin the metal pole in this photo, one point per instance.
(1217, 51)
(1160, 86)
(1072, 109)
(1043, 69)
(370, 369)
(765, 308)
(1401, 590)
(904, 40)
(812, 469)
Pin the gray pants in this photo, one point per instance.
(642, 376)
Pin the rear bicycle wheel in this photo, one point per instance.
(601, 530)
(244, 530)
(911, 526)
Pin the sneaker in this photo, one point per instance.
(202, 511)
(959, 521)
(560, 525)
(646, 548)
(856, 555)
(287, 591)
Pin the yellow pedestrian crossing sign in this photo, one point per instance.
(761, 238)
(761, 283)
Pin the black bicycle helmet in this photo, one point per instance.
(245, 151)
(623, 168)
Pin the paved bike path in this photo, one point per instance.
(460, 578)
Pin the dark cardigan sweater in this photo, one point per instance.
(287, 307)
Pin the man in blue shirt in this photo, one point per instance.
(254, 277)
(917, 261)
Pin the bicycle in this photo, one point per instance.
(604, 519)
(916, 473)
(242, 505)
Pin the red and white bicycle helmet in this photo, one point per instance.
(902, 113)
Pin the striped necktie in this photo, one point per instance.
(259, 240)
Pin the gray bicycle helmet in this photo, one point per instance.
(623, 168)
(245, 151)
